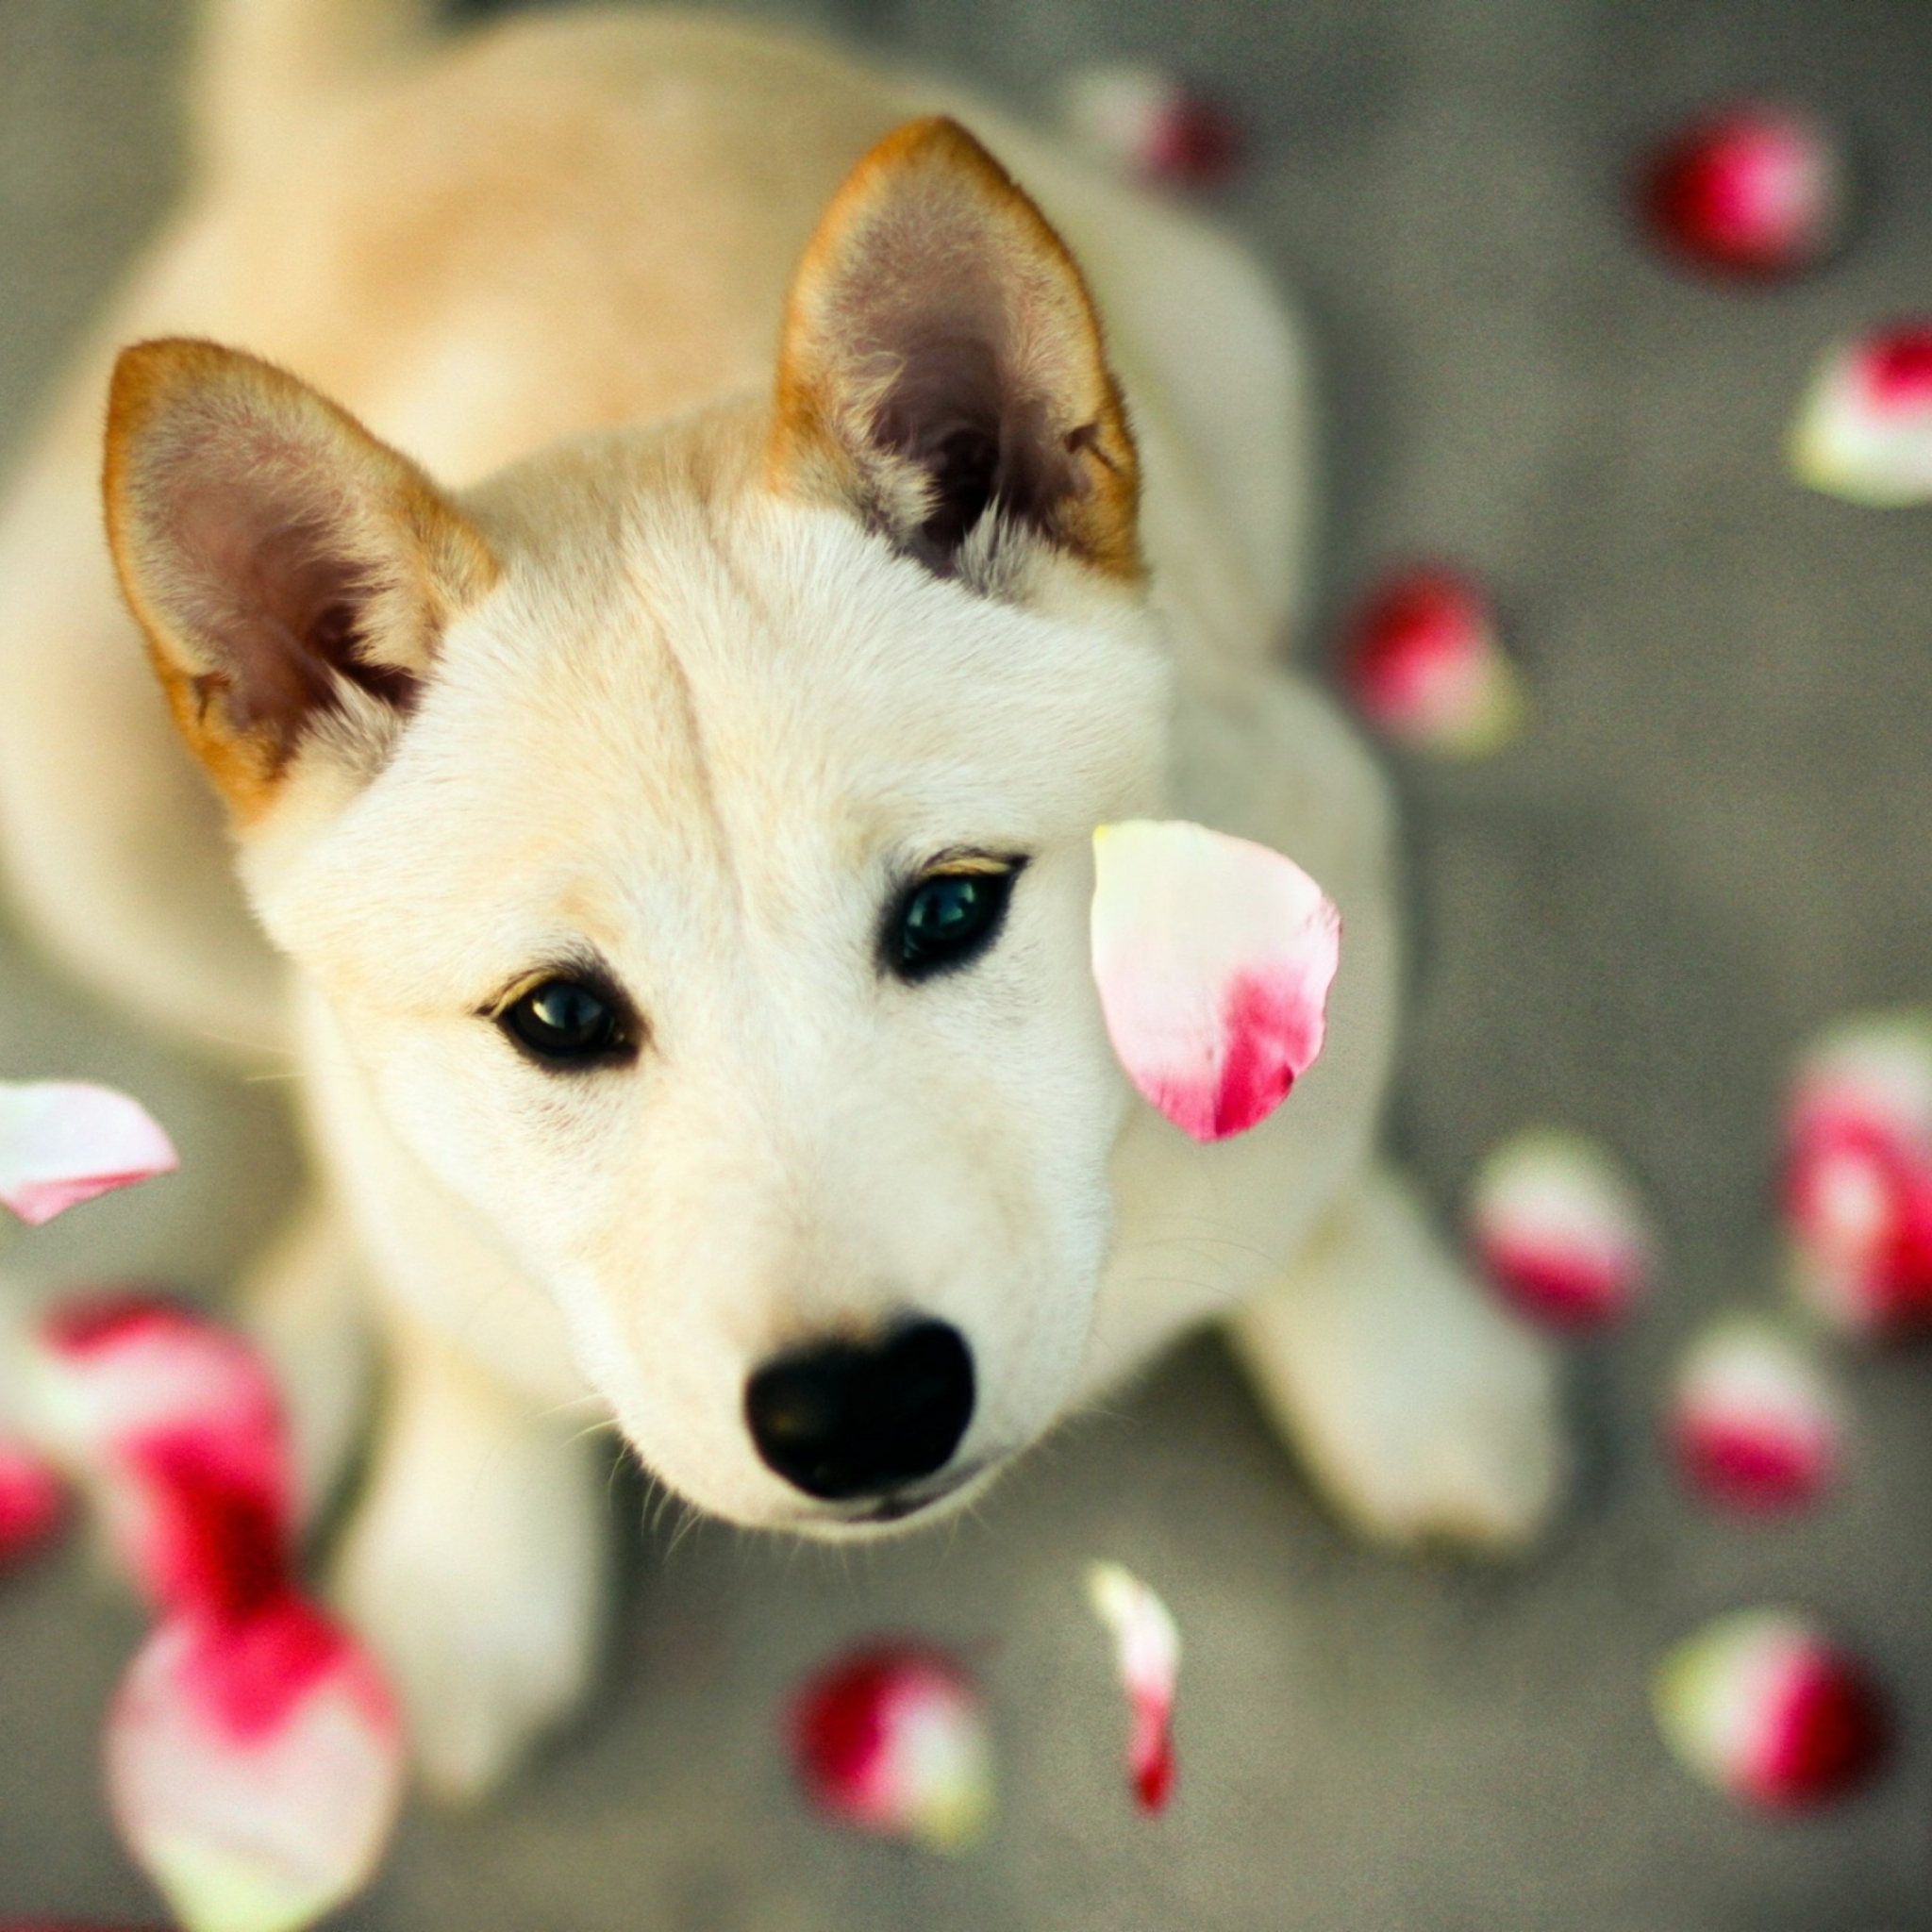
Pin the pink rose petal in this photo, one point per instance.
(1424, 665)
(1147, 1651)
(173, 1424)
(1864, 429)
(1763, 1706)
(1857, 1178)
(33, 1501)
(64, 1141)
(1756, 1424)
(1150, 127)
(1213, 958)
(891, 1738)
(1752, 191)
(255, 1766)
(1560, 1230)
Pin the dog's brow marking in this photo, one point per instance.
(694, 719)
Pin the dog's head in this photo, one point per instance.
(689, 831)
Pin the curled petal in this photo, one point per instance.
(1213, 958)
(1755, 191)
(1763, 1706)
(255, 1766)
(174, 1426)
(33, 1500)
(1149, 126)
(1858, 1176)
(1754, 1421)
(891, 1738)
(1147, 1648)
(64, 1141)
(1560, 1230)
(1864, 429)
(1424, 665)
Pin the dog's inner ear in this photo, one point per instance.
(942, 372)
(292, 573)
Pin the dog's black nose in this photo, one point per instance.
(845, 1419)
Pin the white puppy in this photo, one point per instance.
(674, 849)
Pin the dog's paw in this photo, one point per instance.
(1428, 1413)
(474, 1567)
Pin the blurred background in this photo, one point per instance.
(1715, 835)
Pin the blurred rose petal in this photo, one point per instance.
(1148, 125)
(1857, 1178)
(1560, 1230)
(1755, 191)
(1213, 958)
(255, 1766)
(1762, 1704)
(64, 1141)
(1864, 429)
(1754, 1418)
(891, 1738)
(1424, 665)
(1147, 1651)
(173, 1424)
(33, 1500)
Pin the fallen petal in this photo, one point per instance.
(1213, 958)
(1752, 191)
(1148, 1653)
(33, 1501)
(1864, 429)
(1763, 1706)
(1857, 1197)
(255, 1767)
(891, 1738)
(1424, 663)
(174, 1426)
(64, 1141)
(1754, 1420)
(1559, 1229)
(1149, 126)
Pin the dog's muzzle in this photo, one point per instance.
(856, 1422)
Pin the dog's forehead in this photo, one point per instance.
(737, 695)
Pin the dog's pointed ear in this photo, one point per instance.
(292, 573)
(942, 372)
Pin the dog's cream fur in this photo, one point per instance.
(684, 701)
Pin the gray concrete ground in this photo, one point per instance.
(1714, 839)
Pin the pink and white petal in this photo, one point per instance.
(1763, 1706)
(254, 1768)
(1868, 1070)
(1754, 190)
(1213, 956)
(33, 1500)
(64, 1141)
(173, 1424)
(1147, 1654)
(1754, 1421)
(892, 1738)
(1560, 1229)
(1864, 429)
(1148, 125)
(1858, 1182)
(1424, 664)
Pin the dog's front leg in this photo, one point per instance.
(305, 1303)
(1424, 1411)
(476, 1563)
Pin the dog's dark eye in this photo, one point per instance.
(566, 1023)
(947, 919)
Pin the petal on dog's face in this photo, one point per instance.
(707, 738)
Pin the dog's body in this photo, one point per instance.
(670, 694)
